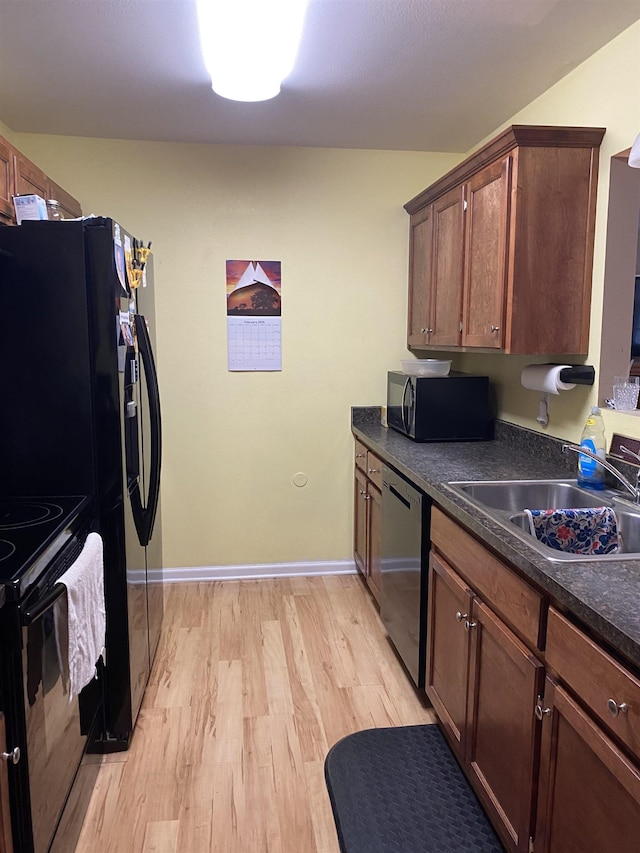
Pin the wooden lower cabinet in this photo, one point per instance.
(483, 683)
(502, 735)
(6, 841)
(448, 650)
(589, 793)
(360, 511)
(553, 756)
(367, 528)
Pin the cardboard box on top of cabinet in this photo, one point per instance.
(29, 207)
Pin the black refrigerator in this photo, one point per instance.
(81, 416)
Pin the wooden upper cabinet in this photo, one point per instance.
(517, 275)
(420, 259)
(447, 268)
(486, 240)
(19, 176)
(7, 213)
(70, 206)
(28, 178)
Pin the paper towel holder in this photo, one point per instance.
(578, 374)
(567, 377)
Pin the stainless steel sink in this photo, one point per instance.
(505, 500)
(516, 495)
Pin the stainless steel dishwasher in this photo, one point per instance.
(405, 549)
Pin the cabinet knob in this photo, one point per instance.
(359, 455)
(493, 328)
(540, 711)
(468, 625)
(614, 709)
(13, 756)
(374, 470)
(367, 497)
(460, 616)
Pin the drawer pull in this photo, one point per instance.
(614, 709)
(540, 711)
(460, 616)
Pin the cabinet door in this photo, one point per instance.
(7, 213)
(446, 278)
(360, 521)
(28, 178)
(589, 795)
(6, 842)
(448, 649)
(374, 541)
(502, 732)
(420, 267)
(70, 206)
(486, 240)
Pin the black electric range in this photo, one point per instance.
(39, 539)
(32, 532)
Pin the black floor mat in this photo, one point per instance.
(400, 790)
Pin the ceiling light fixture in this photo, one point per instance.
(249, 46)
(634, 154)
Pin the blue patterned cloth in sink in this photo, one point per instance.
(589, 531)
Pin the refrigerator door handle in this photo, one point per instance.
(145, 516)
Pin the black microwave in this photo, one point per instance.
(456, 407)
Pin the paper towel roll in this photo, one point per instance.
(545, 378)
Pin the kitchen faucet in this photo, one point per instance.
(634, 490)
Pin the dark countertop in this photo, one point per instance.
(603, 595)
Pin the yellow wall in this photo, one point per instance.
(233, 441)
(334, 218)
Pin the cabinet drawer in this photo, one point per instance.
(509, 596)
(374, 469)
(360, 456)
(599, 680)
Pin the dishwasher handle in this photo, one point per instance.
(400, 497)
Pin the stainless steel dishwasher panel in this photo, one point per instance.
(405, 546)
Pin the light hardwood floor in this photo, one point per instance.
(253, 682)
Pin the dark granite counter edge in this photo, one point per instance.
(587, 590)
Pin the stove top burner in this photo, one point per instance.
(28, 515)
(32, 531)
(6, 549)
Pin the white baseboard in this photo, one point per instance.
(266, 570)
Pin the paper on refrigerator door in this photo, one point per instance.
(254, 330)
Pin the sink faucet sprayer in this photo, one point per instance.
(634, 490)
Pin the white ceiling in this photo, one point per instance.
(425, 75)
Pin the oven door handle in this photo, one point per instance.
(33, 607)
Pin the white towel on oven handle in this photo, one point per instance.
(80, 617)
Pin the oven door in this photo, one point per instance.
(54, 743)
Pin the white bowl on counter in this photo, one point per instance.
(425, 367)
